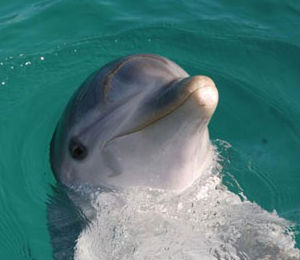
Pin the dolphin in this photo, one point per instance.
(140, 120)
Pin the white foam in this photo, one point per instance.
(205, 222)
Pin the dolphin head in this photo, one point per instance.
(140, 120)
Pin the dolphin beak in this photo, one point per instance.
(201, 91)
(198, 94)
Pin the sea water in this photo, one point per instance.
(249, 206)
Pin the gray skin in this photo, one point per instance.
(138, 121)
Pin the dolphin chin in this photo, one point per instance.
(140, 120)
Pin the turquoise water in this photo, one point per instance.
(48, 48)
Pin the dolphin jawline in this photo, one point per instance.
(179, 103)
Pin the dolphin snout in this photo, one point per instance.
(204, 93)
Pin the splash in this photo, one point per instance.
(206, 222)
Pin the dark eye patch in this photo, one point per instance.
(77, 150)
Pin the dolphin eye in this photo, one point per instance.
(77, 150)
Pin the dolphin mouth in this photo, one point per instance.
(201, 88)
